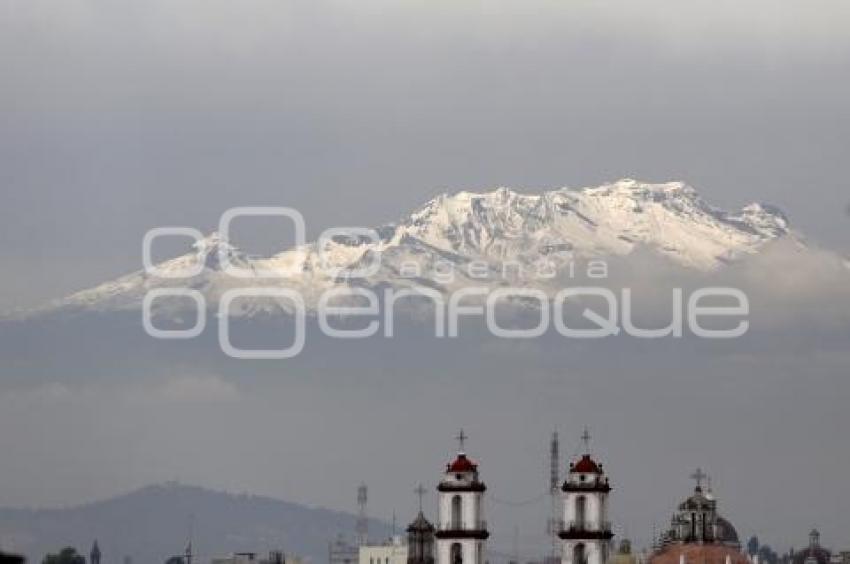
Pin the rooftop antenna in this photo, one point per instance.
(362, 520)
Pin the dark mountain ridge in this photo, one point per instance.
(153, 523)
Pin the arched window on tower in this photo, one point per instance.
(581, 512)
(457, 514)
(579, 555)
(456, 556)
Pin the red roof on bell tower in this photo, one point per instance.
(461, 464)
(586, 465)
(462, 473)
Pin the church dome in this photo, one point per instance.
(461, 476)
(586, 465)
(696, 502)
(697, 521)
(726, 533)
(462, 464)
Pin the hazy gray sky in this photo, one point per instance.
(119, 116)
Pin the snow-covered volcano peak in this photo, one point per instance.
(674, 195)
(611, 219)
(636, 188)
(495, 227)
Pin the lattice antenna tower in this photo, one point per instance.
(362, 519)
(554, 497)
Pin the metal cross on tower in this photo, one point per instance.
(420, 491)
(699, 476)
(585, 438)
(461, 440)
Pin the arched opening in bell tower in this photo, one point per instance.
(457, 513)
(456, 556)
(579, 556)
(581, 512)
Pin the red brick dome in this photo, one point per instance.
(698, 554)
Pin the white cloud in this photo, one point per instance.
(198, 389)
(182, 388)
(49, 393)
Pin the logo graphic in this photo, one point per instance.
(353, 298)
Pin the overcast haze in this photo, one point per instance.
(116, 117)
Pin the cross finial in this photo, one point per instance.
(420, 491)
(699, 476)
(585, 438)
(461, 440)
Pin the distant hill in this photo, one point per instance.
(151, 524)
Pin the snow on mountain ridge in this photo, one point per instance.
(490, 227)
(608, 219)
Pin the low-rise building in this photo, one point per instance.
(394, 551)
(274, 557)
(340, 551)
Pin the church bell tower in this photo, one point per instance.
(420, 537)
(461, 531)
(586, 532)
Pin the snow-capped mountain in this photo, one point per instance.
(473, 236)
